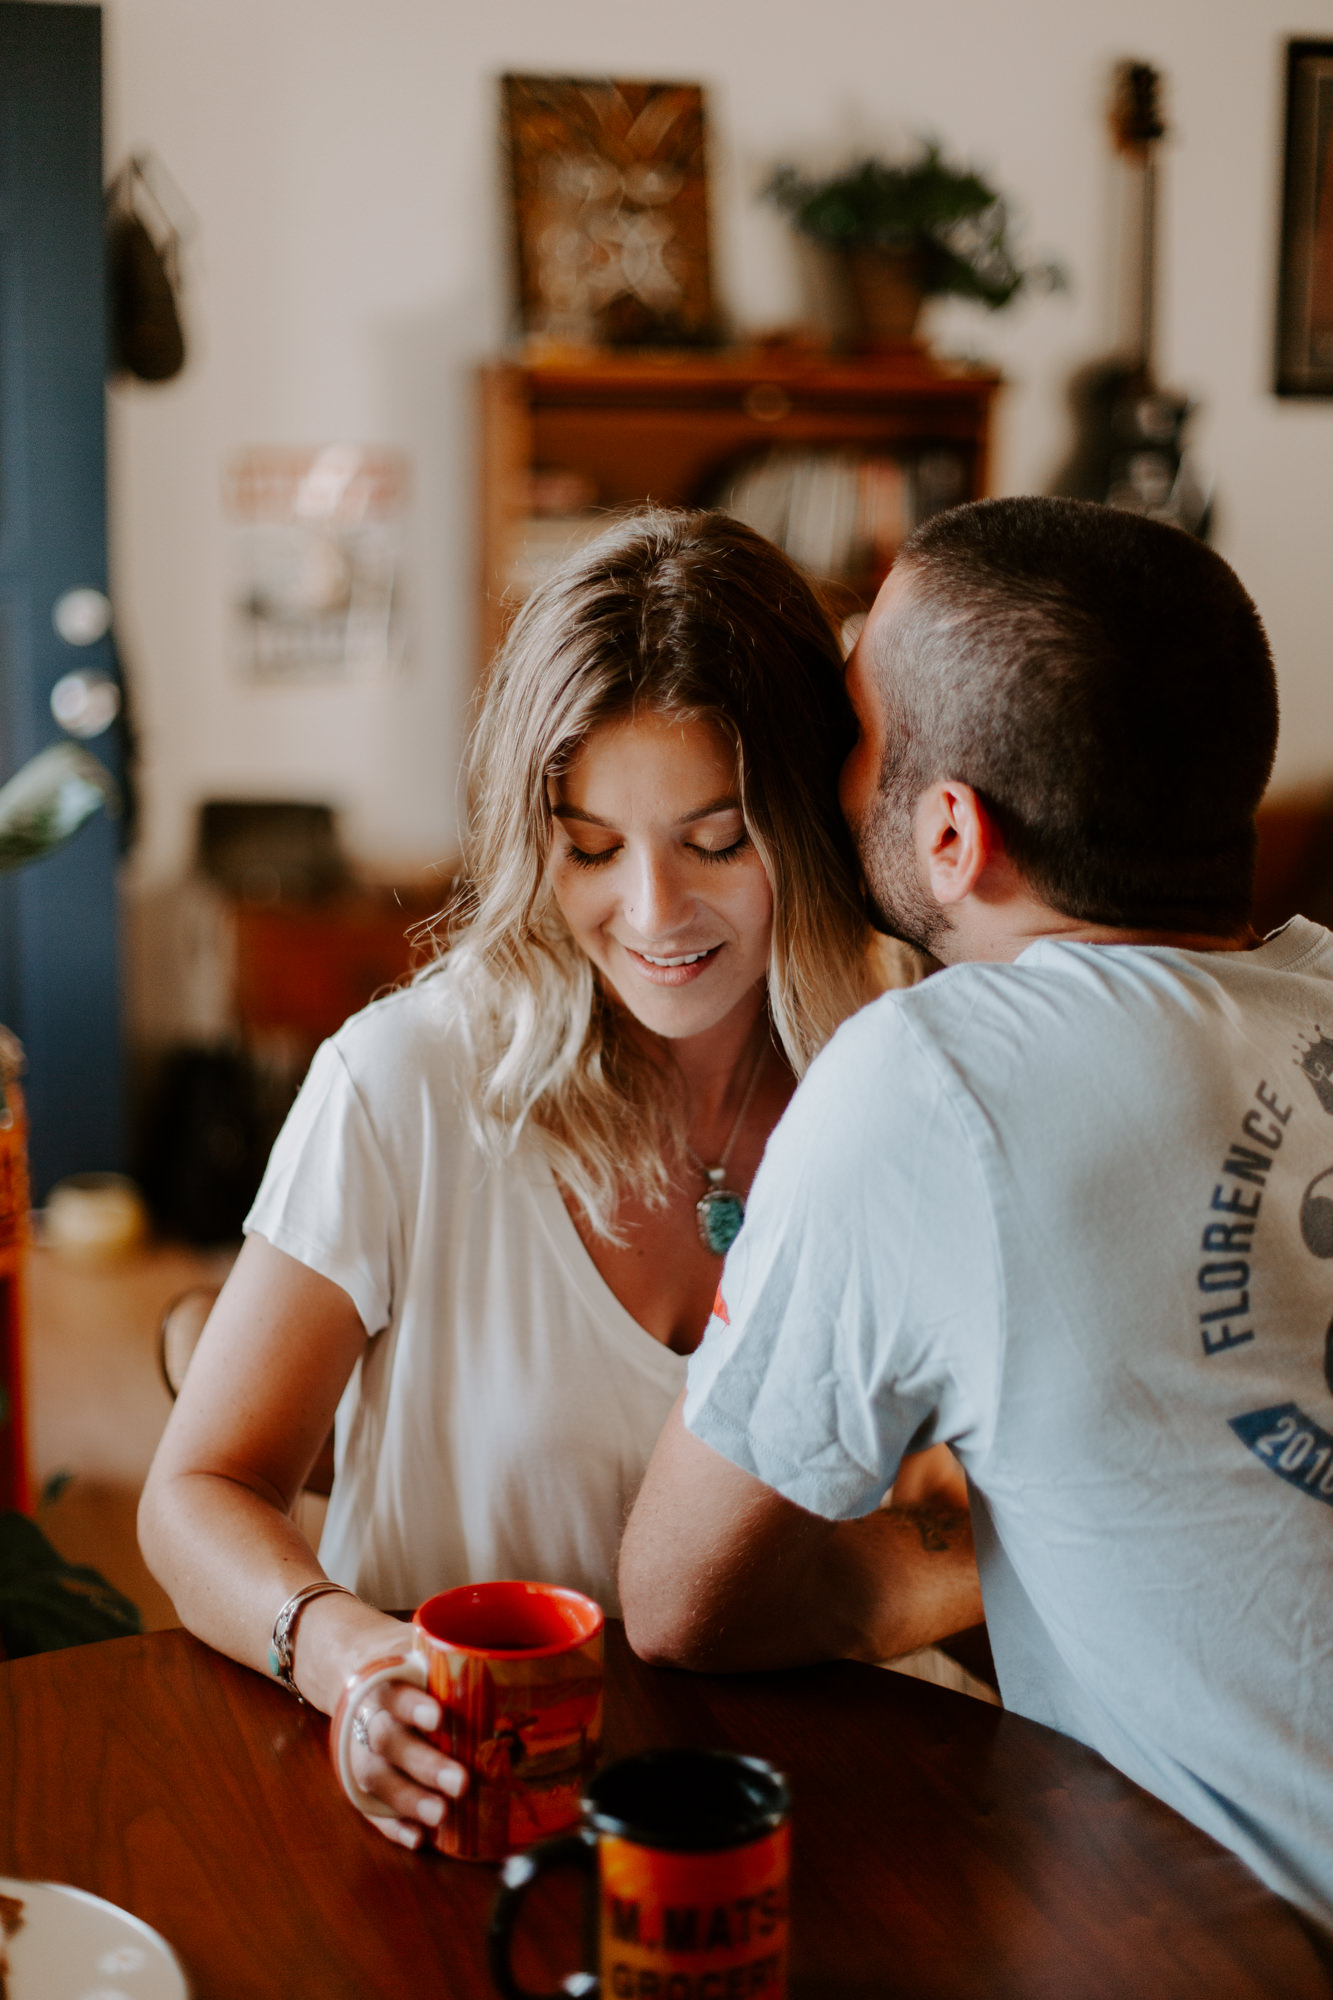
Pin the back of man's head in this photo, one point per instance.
(1104, 684)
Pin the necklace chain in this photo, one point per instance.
(720, 1211)
(713, 1175)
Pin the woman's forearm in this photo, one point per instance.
(215, 1519)
(216, 1528)
(229, 1558)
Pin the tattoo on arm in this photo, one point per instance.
(938, 1527)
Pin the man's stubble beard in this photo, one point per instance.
(897, 901)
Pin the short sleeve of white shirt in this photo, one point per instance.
(826, 1359)
(327, 1198)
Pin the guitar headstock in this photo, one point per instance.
(1136, 117)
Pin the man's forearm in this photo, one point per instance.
(722, 1574)
(902, 1578)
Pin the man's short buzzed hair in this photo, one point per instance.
(1103, 682)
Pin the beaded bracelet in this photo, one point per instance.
(282, 1646)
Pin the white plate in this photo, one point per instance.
(73, 1946)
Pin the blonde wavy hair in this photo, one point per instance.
(694, 616)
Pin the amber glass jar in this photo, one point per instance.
(15, 1228)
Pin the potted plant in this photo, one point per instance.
(910, 231)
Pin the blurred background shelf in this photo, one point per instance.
(303, 968)
(566, 440)
(249, 988)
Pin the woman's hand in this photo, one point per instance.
(395, 1760)
(339, 1639)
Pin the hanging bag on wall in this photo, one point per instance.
(144, 277)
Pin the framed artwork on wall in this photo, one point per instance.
(318, 555)
(610, 211)
(1305, 275)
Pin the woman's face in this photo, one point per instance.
(654, 872)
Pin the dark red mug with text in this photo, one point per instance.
(687, 1853)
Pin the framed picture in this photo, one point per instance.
(317, 562)
(1305, 278)
(610, 211)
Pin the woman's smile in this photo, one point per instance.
(676, 971)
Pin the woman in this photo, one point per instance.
(492, 1228)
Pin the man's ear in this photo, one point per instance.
(957, 841)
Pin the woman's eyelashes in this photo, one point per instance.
(598, 858)
(582, 859)
(729, 853)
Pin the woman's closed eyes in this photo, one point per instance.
(582, 858)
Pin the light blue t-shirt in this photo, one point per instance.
(1075, 1217)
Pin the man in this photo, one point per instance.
(1068, 1205)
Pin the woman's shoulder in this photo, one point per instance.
(414, 1036)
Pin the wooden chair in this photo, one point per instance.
(183, 1321)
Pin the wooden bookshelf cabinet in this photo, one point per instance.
(615, 429)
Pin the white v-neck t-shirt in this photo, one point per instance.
(504, 1410)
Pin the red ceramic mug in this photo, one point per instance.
(517, 1671)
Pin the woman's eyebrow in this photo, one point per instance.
(724, 805)
(706, 811)
(577, 812)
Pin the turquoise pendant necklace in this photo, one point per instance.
(720, 1211)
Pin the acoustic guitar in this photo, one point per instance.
(1131, 449)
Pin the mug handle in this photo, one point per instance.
(399, 1667)
(520, 1871)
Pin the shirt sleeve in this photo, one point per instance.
(327, 1195)
(858, 1314)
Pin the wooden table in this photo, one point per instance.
(942, 1848)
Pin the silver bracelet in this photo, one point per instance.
(282, 1646)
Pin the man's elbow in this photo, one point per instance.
(671, 1613)
(660, 1609)
(695, 1568)
(676, 1617)
(149, 1515)
(656, 1640)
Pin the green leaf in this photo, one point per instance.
(46, 1602)
(46, 802)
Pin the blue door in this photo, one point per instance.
(59, 949)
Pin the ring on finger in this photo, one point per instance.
(361, 1727)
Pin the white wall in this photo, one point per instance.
(349, 271)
